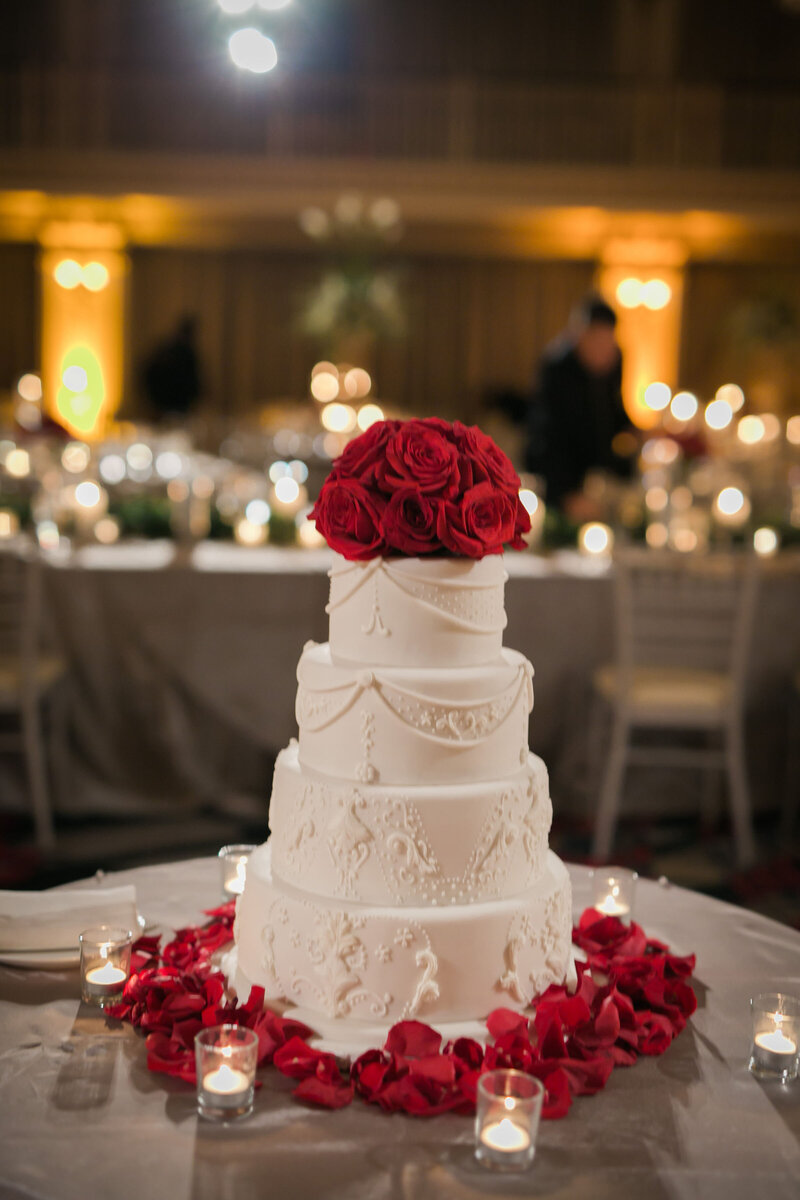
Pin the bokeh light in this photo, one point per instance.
(684, 406)
(338, 418)
(287, 490)
(169, 464)
(252, 51)
(139, 456)
(247, 533)
(657, 535)
(112, 468)
(718, 414)
(656, 499)
(530, 501)
(107, 530)
(29, 387)
(595, 538)
(656, 294)
(357, 382)
(657, 396)
(368, 414)
(325, 386)
(95, 276)
(87, 494)
(75, 378)
(765, 541)
(68, 273)
(750, 430)
(258, 512)
(793, 431)
(732, 394)
(629, 292)
(18, 463)
(75, 457)
(278, 469)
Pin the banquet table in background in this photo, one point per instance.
(183, 667)
(81, 1116)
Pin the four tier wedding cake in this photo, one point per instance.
(408, 872)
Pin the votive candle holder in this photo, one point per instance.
(776, 1036)
(226, 1069)
(233, 861)
(614, 892)
(105, 963)
(509, 1107)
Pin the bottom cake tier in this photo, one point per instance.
(353, 970)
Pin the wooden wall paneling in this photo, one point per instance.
(18, 326)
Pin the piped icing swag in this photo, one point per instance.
(421, 487)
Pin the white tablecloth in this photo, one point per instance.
(183, 670)
(81, 1117)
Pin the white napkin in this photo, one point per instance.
(52, 920)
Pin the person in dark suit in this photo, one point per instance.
(576, 413)
(171, 375)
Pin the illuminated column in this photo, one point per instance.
(83, 270)
(644, 282)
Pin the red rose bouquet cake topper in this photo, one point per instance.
(421, 487)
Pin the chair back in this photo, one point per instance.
(20, 606)
(678, 610)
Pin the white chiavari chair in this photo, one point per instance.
(27, 677)
(683, 626)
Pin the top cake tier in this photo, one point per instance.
(434, 612)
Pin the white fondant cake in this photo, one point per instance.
(408, 873)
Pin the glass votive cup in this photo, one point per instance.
(226, 1070)
(233, 860)
(507, 1119)
(105, 963)
(614, 892)
(776, 1036)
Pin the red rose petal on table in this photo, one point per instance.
(325, 1093)
(655, 1033)
(557, 1097)
(438, 1068)
(368, 1073)
(298, 1060)
(505, 1020)
(467, 1052)
(412, 1039)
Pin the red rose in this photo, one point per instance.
(481, 459)
(349, 517)
(411, 522)
(419, 453)
(479, 523)
(361, 457)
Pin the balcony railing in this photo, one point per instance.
(472, 121)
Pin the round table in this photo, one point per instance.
(80, 1115)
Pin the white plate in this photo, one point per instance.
(50, 960)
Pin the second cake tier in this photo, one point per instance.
(413, 725)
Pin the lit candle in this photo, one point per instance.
(505, 1136)
(105, 963)
(105, 975)
(611, 907)
(234, 869)
(236, 885)
(613, 893)
(226, 1084)
(773, 1050)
